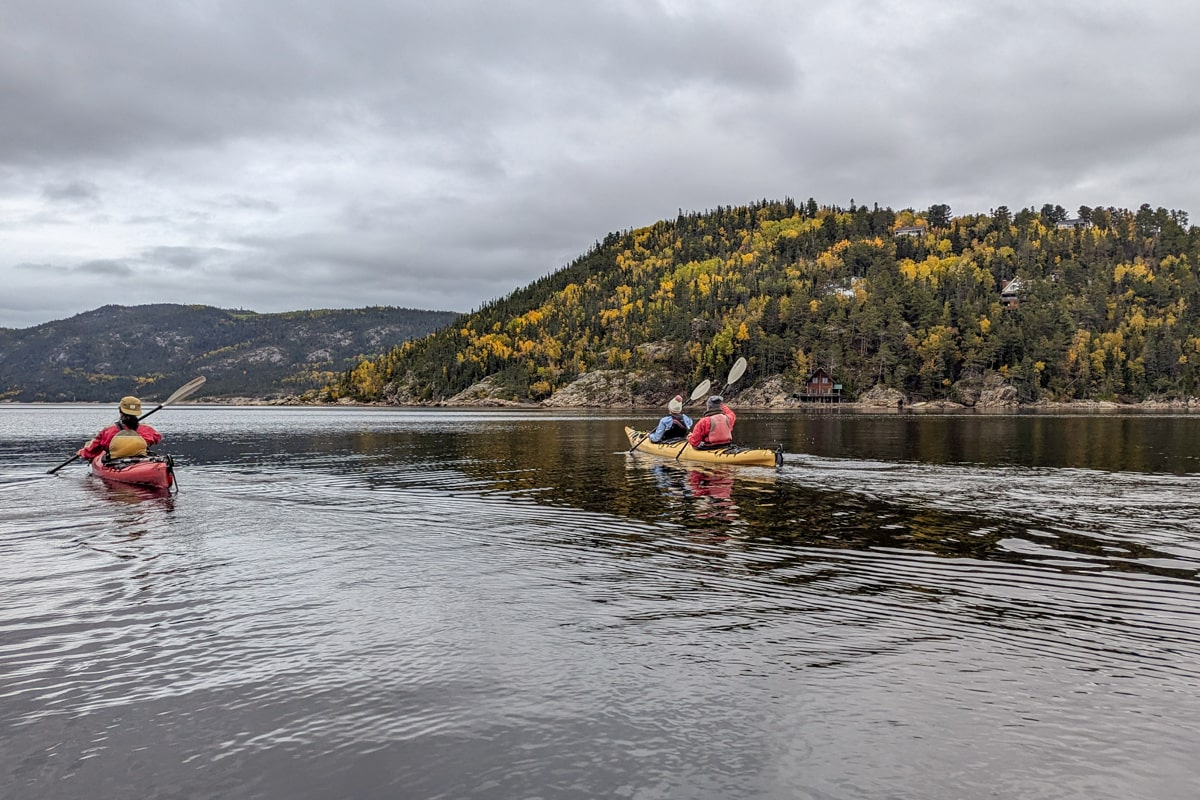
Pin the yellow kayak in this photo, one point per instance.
(680, 450)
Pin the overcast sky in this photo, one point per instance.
(278, 155)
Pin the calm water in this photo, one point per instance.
(370, 603)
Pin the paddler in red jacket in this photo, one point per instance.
(126, 438)
(715, 428)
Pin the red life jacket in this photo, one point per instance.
(720, 431)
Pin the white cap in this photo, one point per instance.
(676, 404)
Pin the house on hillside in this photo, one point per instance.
(1010, 293)
(820, 388)
(909, 230)
(1072, 224)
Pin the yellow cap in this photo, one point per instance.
(131, 406)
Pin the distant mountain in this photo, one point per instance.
(151, 350)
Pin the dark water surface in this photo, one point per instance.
(372, 603)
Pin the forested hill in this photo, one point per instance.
(152, 350)
(1104, 307)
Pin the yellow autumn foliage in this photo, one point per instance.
(1137, 270)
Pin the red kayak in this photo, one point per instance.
(154, 471)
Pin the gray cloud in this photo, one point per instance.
(72, 191)
(440, 155)
(104, 268)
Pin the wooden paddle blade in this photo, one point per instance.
(701, 390)
(739, 368)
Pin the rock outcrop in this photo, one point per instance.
(485, 393)
(402, 392)
(880, 396)
(616, 388)
(987, 391)
(774, 392)
(1002, 396)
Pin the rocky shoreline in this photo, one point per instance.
(650, 390)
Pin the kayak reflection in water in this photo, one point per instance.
(703, 483)
(697, 496)
(713, 493)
